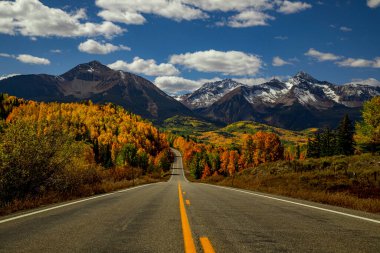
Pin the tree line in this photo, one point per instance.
(204, 160)
(65, 147)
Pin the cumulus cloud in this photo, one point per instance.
(32, 18)
(369, 81)
(288, 7)
(249, 18)
(30, 59)
(176, 84)
(225, 6)
(27, 58)
(242, 13)
(228, 63)
(93, 47)
(146, 67)
(344, 61)
(129, 12)
(319, 56)
(252, 81)
(278, 62)
(359, 63)
(373, 3)
(180, 85)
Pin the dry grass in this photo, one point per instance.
(351, 182)
(85, 191)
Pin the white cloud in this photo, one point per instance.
(32, 18)
(176, 84)
(359, 63)
(343, 61)
(288, 7)
(322, 56)
(93, 47)
(249, 18)
(278, 62)
(129, 12)
(30, 59)
(241, 13)
(229, 63)
(6, 55)
(27, 58)
(376, 62)
(146, 67)
(180, 85)
(345, 29)
(373, 3)
(369, 81)
(225, 6)
(252, 81)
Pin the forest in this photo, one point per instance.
(338, 166)
(51, 152)
(55, 151)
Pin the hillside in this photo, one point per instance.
(51, 152)
(231, 134)
(298, 103)
(100, 84)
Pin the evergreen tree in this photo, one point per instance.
(313, 147)
(345, 137)
(327, 142)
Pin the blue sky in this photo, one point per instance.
(182, 43)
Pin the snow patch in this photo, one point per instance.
(3, 77)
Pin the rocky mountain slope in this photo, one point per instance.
(298, 103)
(96, 82)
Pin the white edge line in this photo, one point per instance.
(299, 204)
(183, 172)
(71, 203)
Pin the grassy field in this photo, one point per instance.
(351, 182)
(231, 134)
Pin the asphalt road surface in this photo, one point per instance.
(179, 216)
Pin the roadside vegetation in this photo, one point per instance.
(50, 152)
(338, 166)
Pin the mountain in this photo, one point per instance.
(298, 103)
(95, 81)
(208, 93)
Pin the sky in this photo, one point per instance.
(181, 44)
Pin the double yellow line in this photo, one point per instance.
(186, 230)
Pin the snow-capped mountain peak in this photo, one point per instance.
(209, 93)
(3, 77)
(302, 88)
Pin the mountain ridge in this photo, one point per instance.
(97, 82)
(298, 103)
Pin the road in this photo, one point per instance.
(173, 216)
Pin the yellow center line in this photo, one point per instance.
(206, 245)
(187, 236)
(187, 202)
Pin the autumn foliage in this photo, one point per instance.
(205, 160)
(73, 148)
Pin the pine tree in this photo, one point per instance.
(345, 137)
(327, 142)
(313, 147)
